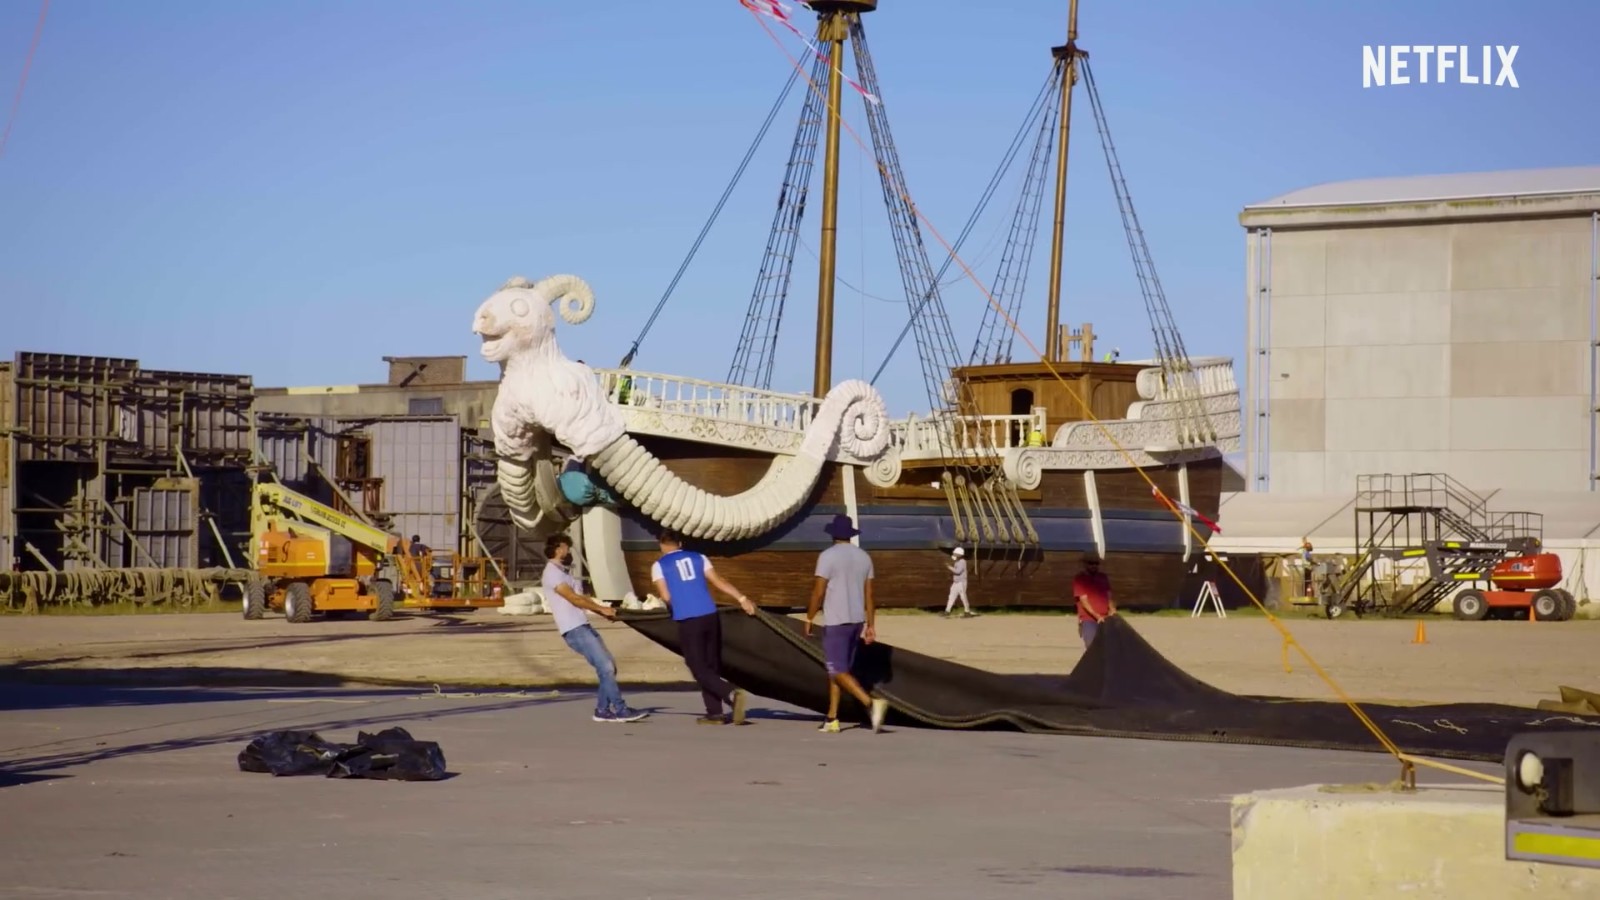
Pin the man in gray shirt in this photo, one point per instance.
(842, 591)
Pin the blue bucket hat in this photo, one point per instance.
(841, 528)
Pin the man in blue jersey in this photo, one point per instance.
(684, 580)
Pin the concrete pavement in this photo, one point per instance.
(135, 792)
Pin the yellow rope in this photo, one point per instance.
(1088, 413)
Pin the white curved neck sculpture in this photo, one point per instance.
(543, 393)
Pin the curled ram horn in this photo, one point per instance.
(571, 296)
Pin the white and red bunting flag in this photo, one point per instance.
(1184, 508)
(779, 12)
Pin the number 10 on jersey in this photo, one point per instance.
(686, 569)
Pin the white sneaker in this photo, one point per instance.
(880, 708)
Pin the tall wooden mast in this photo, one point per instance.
(1068, 54)
(833, 26)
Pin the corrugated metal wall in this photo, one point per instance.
(419, 461)
(291, 445)
(70, 409)
(7, 519)
(225, 495)
(116, 546)
(521, 552)
(416, 462)
(214, 409)
(64, 404)
(163, 523)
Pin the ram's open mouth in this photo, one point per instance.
(491, 342)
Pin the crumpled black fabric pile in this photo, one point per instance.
(390, 755)
(1121, 687)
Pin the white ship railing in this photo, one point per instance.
(932, 436)
(677, 395)
(1211, 375)
(778, 420)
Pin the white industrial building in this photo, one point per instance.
(1434, 324)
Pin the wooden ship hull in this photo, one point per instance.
(909, 530)
(1093, 487)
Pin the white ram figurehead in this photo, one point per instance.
(520, 316)
(543, 394)
(541, 390)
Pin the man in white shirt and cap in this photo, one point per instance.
(958, 583)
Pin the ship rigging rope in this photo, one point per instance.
(715, 212)
(1034, 110)
(1407, 760)
(27, 66)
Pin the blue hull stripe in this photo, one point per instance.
(896, 528)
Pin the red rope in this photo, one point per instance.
(27, 64)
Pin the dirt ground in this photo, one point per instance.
(1497, 662)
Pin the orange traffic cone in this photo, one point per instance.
(1531, 617)
(1422, 633)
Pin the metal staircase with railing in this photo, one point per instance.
(1430, 522)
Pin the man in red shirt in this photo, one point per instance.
(1092, 590)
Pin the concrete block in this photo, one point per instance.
(1388, 319)
(1389, 260)
(1528, 314)
(1518, 470)
(1549, 368)
(1297, 425)
(1404, 424)
(1297, 373)
(1299, 263)
(1367, 372)
(1340, 468)
(1519, 423)
(1298, 473)
(1446, 842)
(1482, 259)
(1568, 515)
(1298, 320)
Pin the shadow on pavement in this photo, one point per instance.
(213, 644)
(72, 688)
(24, 769)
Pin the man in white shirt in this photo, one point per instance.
(958, 583)
(571, 609)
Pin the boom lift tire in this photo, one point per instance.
(255, 599)
(1548, 606)
(384, 610)
(297, 602)
(1470, 605)
(1569, 604)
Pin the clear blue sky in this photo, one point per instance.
(294, 189)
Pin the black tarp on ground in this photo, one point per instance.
(390, 755)
(1122, 687)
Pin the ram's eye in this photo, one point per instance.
(519, 306)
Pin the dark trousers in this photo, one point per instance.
(701, 638)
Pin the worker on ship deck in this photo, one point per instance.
(1307, 587)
